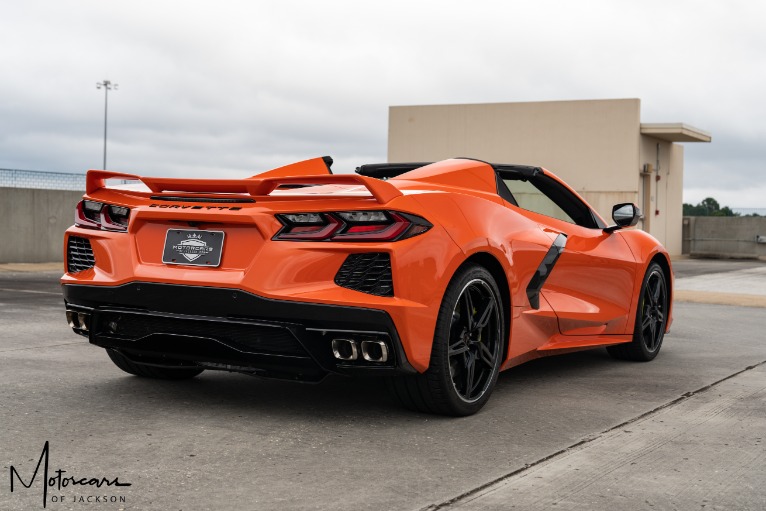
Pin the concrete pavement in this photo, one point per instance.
(724, 282)
(564, 430)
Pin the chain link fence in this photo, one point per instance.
(12, 178)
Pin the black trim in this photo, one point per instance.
(503, 191)
(181, 198)
(309, 323)
(388, 170)
(516, 171)
(328, 161)
(525, 171)
(544, 270)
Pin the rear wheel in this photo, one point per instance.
(161, 373)
(651, 319)
(467, 349)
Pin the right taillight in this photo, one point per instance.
(97, 215)
(350, 226)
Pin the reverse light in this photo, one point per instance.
(97, 215)
(363, 216)
(350, 226)
(304, 218)
(115, 218)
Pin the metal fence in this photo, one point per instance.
(12, 178)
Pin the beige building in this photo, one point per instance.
(600, 147)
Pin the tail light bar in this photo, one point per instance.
(350, 226)
(97, 215)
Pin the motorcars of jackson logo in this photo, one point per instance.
(56, 480)
(193, 247)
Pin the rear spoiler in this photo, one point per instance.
(382, 191)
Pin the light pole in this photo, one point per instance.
(107, 86)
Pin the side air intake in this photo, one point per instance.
(79, 254)
(368, 272)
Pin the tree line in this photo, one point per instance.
(710, 207)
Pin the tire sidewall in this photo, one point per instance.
(439, 365)
(637, 330)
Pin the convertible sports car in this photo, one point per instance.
(435, 276)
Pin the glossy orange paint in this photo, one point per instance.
(589, 299)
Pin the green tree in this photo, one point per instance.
(708, 207)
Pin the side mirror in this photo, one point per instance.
(624, 215)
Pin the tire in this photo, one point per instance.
(160, 373)
(651, 319)
(467, 349)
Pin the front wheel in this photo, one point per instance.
(651, 319)
(467, 349)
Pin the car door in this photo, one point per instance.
(590, 284)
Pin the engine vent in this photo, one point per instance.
(369, 273)
(79, 254)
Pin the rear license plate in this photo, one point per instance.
(193, 248)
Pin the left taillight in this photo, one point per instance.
(97, 215)
(350, 226)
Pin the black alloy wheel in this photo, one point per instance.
(467, 349)
(474, 341)
(651, 319)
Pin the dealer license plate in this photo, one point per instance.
(193, 247)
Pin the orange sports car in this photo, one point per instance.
(434, 276)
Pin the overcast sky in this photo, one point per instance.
(231, 88)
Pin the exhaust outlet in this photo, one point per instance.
(374, 351)
(71, 318)
(78, 321)
(344, 349)
(83, 319)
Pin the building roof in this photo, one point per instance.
(675, 132)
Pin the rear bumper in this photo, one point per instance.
(229, 329)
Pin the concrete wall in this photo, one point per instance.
(592, 145)
(33, 224)
(661, 191)
(596, 146)
(725, 237)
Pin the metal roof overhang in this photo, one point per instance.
(675, 132)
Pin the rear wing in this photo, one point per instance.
(382, 191)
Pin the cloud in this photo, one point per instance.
(235, 87)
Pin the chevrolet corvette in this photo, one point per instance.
(434, 276)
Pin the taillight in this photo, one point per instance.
(350, 226)
(97, 215)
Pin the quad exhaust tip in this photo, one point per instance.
(78, 320)
(374, 351)
(349, 350)
(344, 349)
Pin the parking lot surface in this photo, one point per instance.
(685, 431)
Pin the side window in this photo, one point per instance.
(531, 198)
(544, 195)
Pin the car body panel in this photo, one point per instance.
(588, 299)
